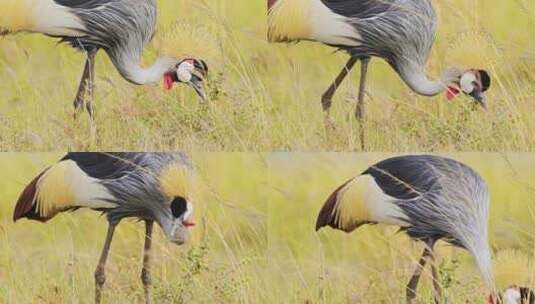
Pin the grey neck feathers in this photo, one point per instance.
(417, 80)
(130, 68)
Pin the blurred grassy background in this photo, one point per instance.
(223, 263)
(266, 97)
(374, 263)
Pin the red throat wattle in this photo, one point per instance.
(167, 81)
(452, 92)
(188, 222)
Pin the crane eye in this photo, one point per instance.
(178, 206)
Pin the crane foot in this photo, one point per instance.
(329, 122)
(100, 279)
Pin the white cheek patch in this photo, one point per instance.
(184, 71)
(511, 296)
(188, 212)
(467, 82)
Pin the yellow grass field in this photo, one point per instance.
(266, 97)
(255, 239)
(223, 263)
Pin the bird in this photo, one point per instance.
(122, 28)
(151, 187)
(401, 32)
(429, 197)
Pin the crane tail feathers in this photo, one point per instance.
(346, 208)
(16, 16)
(25, 206)
(63, 186)
(287, 20)
(39, 16)
(330, 214)
(326, 216)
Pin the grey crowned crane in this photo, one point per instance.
(152, 187)
(401, 32)
(431, 198)
(122, 28)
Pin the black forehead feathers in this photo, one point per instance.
(485, 79)
(179, 206)
(527, 295)
(201, 66)
(174, 77)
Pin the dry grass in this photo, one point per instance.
(265, 97)
(256, 241)
(257, 244)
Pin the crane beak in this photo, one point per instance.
(188, 221)
(480, 99)
(197, 84)
(178, 232)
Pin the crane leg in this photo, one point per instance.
(413, 283)
(90, 90)
(436, 282)
(360, 109)
(100, 275)
(145, 272)
(326, 98)
(86, 85)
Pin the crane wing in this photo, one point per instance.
(374, 196)
(62, 187)
(103, 165)
(407, 177)
(84, 4)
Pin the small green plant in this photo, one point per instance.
(229, 282)
(448, 275)
(181, 291)
(215, 86)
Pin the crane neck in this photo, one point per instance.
(417, 80)
(131, 69)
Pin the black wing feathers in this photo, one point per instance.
(105, 165)
(84, 4)
(405, 177)
(358, 9)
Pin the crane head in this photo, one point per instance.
(178, 220)
(473, 83)
(189, 71)
(513, 295)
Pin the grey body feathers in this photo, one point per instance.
(132, 179)
(120, 27)
(390, 29)
(443, 199)
(439, 197)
